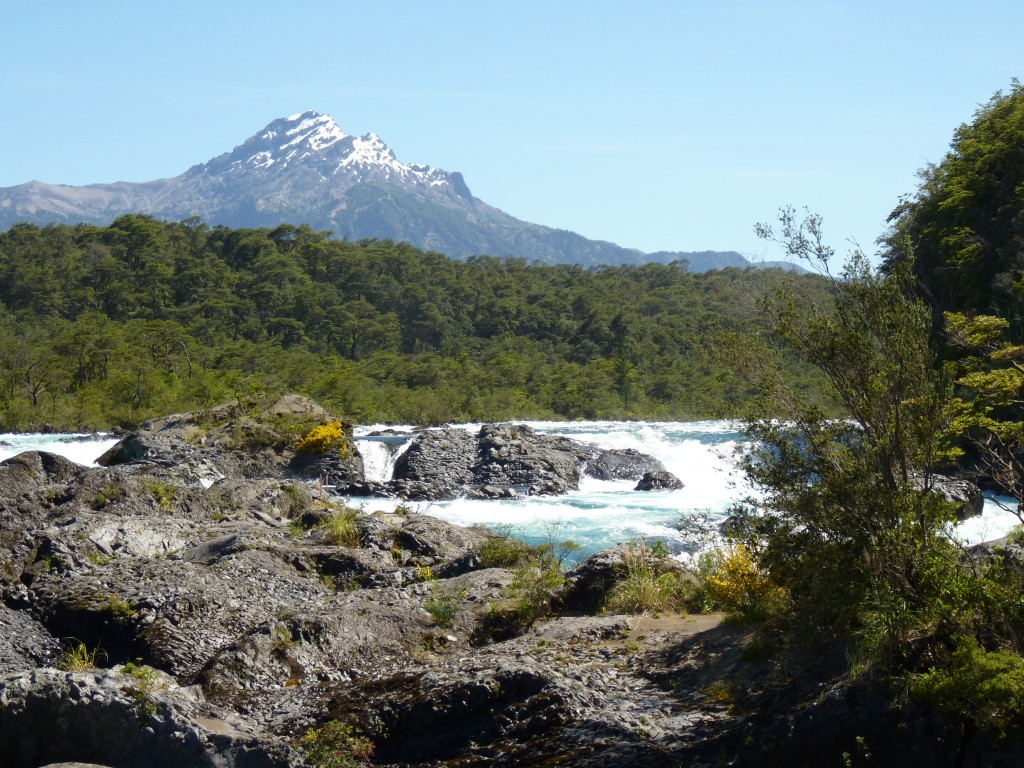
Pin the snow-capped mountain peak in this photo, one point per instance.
(313, 138)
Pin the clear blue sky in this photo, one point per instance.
(656, 125)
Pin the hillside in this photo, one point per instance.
(110, 325)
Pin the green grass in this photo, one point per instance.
(342, 528)
(77, 657)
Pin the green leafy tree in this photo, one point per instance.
(961, 232)
(847, 522)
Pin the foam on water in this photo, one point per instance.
(601, 513)
(79, 448)
(995, 521)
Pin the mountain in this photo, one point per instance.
(305, 169)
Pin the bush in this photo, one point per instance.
(335, 745)
(323, 438)
(532, 591)
(986, 687)
(342, 528)
(734, 582)
(444, 605)
(504, 551)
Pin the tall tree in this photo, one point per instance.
(963, 231)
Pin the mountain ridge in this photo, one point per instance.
(306, 169)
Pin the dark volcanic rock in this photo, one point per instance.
(440, 459)
(659, 481)
(228, 442)
(24, 642)
(963, 492)
(101, 717)
(515, 455)
(501, 461)
(622, 464)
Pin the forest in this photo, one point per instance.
(104, 326)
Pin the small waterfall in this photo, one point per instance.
(380, 452)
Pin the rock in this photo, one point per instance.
(440, 459)
(24, 642)
(110, 717)
(659, 481)
(622, 464)
(35, 469)
(963, 492)
(513, 455)
(228, 441)
(501, 461)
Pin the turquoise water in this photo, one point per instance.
(602, 513)
(598, 515)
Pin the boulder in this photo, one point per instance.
(441, 460)
(659, 481)
(622, 464)
(513, 455)
(501, 461)
(962, 492)
(228, 441)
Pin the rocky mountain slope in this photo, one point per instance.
(305, 169)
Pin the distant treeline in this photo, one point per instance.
(103, 326)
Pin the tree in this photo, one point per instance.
(963, 231)
(990, 401)
(846, 520)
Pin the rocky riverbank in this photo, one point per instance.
(200, 601)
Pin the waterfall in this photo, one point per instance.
(380, 452)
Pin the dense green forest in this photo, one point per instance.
(102, 326)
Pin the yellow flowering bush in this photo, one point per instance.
(737, 584)
(323, 438)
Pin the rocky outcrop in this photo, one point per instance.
(622, 464)
(441, 460)
(230, 442)
(225, 621)
(501, 461)
(966, 494)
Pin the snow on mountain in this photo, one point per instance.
(316, 141)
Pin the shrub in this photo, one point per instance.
(335, 745)
(323, 438)
(119, 607)
(163, 494)
(531, 592)
(503, 551)
(444, 605)
(536, 583)
(145, 682)
(984, 686)
(735, 582)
